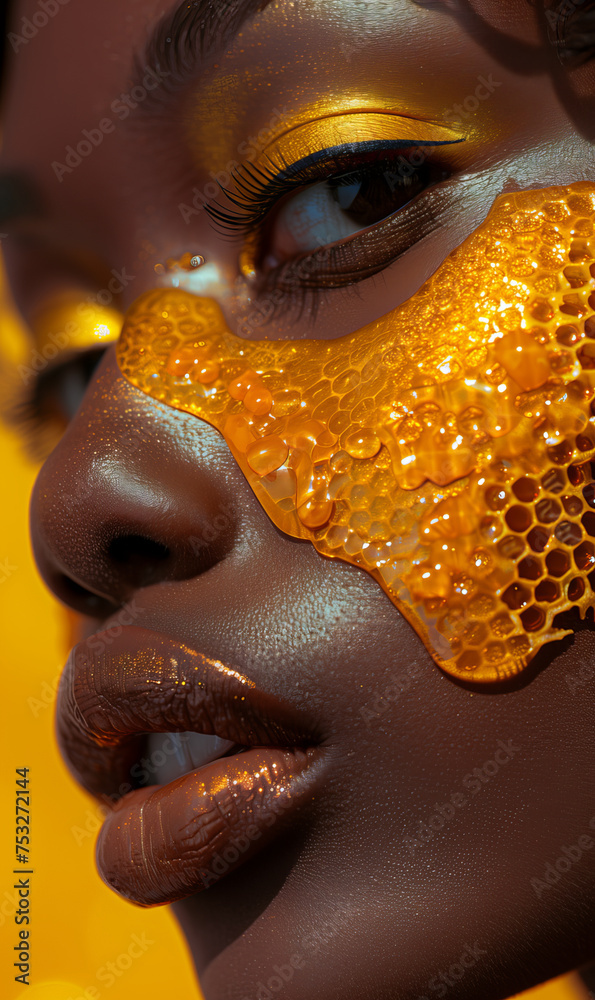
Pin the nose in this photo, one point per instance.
(133, 495)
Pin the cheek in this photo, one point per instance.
(444, 449)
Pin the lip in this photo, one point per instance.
(162, 843)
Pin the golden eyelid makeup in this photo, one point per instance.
(444, 448)
(354, 126)
(335, 128)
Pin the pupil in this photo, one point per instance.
(367, 199)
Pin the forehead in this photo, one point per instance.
(71, 67)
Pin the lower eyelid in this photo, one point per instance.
(400, 231)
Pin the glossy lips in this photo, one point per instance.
(162, 843)
(444, 448)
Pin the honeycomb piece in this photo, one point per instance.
(445, 448)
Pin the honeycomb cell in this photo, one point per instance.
(526, 489)
(538, 539)
(494, 652)
(586, 356)
(516, 596)
(557, 562)
(490, 528)
(469, 661)
(530, 568)
(576, 589)
(518, 518)
(568, 533)
(584, 556)
(445, 448)
(533, 618)
(554, 481)
(496, 497)
(511, 546)
(547, 510)
(502, 625)
(547, 592)
(572, 505)
(561, 453)
(584, 442)
(576, 474)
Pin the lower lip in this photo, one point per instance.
(164, 843)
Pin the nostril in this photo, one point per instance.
(134, 549)
(138, 556)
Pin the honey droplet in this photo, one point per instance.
(258, 399)
(363, 443)
(267, 455)
(315, 515)
(207, 371)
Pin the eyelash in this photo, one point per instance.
(259, 190)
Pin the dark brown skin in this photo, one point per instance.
(391, 914)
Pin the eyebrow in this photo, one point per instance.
(183, 38)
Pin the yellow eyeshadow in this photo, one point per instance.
(341, 128)
(445, 449)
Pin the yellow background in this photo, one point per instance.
(77, 924)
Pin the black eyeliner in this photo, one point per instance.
(259, 188)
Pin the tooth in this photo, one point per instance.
(172, 754)
(180, 748)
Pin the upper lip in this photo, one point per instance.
(116, 690)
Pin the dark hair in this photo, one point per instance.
(4, 11)
(571, 28)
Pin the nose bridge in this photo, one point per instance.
(130, 497)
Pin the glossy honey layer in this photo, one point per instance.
(444, 448)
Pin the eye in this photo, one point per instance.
(47, 406)
(330, 220)
(339, 207)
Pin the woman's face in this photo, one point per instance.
(414, 852)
